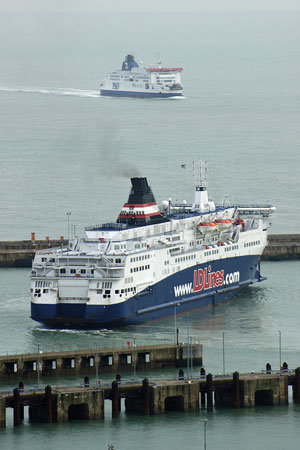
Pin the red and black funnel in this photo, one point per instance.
(141, 207)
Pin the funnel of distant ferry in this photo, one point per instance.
(151, 260)
(149, 81)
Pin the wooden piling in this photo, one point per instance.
(202, 397)
(296, 387)
(21, 412)
(115, 399)
(236, 390)
(2, 412)
(17, 407)
(48, 404)
(209, 392)
(146, 397)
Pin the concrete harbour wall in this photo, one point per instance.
(282, 247)
(21, 253)
(83, 362)
(150, 398)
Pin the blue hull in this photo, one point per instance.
(158, 301)
(113, 93)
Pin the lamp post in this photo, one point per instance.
(68, 216)
(175, 324)
(73, 226)
(191, 355)
(175, 327)
(96, 364)
(223, 352)
(38, 364)
(188, 348)
(279, 351)
(205, 422)
(134, 361)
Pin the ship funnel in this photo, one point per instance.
(141, 207)
(129, 63)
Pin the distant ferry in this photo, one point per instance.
(151, 261)
(135, 81)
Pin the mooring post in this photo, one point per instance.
(296, 390)
(146, 397)
(236, 390)
(209, 391)
(17, 405)
(202, 397)
(2, 412)
(115, 399)
(21, 389)
(48, 402)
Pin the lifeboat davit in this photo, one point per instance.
(207, 227)
(239, 222)
(223, 223)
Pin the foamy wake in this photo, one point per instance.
(53, 91)
(177, 98)
(101, 332)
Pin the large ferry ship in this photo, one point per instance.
(135, 81)
(150, 261)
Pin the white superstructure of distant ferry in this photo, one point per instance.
(151, 260)
(135, 81)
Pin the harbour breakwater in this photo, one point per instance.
(21, 253)
(145, 397)
(101, 361)
(280, 247)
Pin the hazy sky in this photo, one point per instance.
(146, 5)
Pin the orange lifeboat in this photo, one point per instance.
(207, 227)
(223, 223)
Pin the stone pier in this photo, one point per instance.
(269, 390)
(82, 404)
(82, 362)
(156, 397)
(174, 397)
(250, 390)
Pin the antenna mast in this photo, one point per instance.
(200, 172)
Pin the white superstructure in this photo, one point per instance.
(137, 268)
(135, 81)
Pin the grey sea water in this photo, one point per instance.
(65, 149)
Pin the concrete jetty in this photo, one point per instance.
(282, 247)
(21, 253)
(109, 360)
(152, 397)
